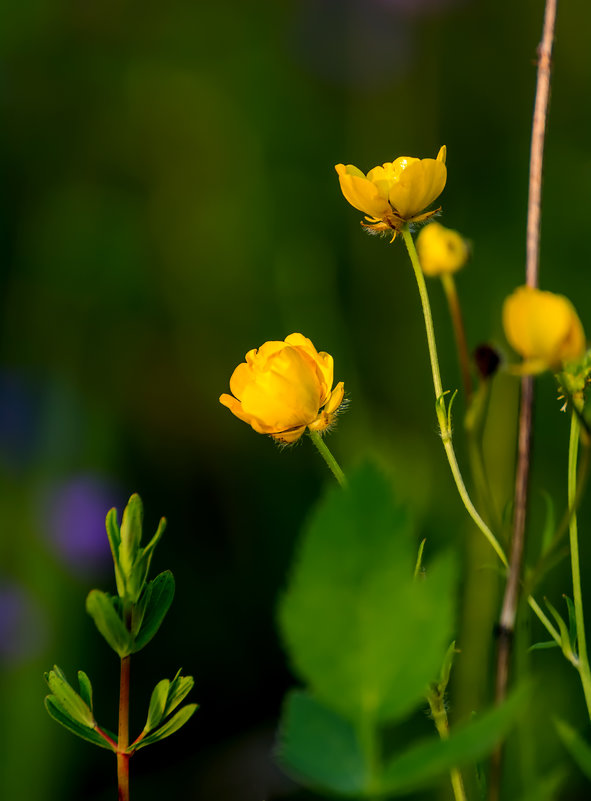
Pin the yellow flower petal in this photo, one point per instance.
(361, 193)
(395, 192)
(544, 328)
(441, 250)
(282, 387)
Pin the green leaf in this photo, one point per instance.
(172, 724)
(114, 535)
(360, 631)
(68, 700)
(157, 704)
(565, 641)
(101, 607)
(180, 687)
(543, 646)
(58, 714)
(166, 696)
(572, 621)
(131, 533)
(425, 762)
(319, 748)
(578, 748)
(85, 688)
(161, 595)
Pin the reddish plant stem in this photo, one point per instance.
(123, 738)
(511, 596)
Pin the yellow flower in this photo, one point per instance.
(441, 250)
(396, 193)
(543, 328)
(284, 388)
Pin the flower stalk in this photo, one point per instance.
(326, 454)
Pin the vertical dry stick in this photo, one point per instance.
(511, 597)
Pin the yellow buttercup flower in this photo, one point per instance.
(544, 328)
(284, 388)
(441, 250)
(396, 193)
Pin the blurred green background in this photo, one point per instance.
(170, 202)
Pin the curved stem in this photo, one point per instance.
(123, 738)
(584, 669)
(442, 413)
(446, 435)
(328, 458)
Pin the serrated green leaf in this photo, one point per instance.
(56, 712)
(319, 748)
(68, 700)
(157, 704)
(172, 724)
(425, 762)
(161, 595)
(85, 688)
(101, 607)
(579, 749)
(360, 631)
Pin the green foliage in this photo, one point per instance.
(382, 636)
(578, 748)
(155, 603)
(423, 763)
(131, 561)
(319, 748)
(103, 609)
(73, 710)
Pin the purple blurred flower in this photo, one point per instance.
(73, 520)
(22, 627)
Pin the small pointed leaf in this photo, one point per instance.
(157, 704)
(171, 725)
(85, 688)
(100, 606)
(180, 687)
(543, 646)
(565, 641)
(68, 700)
(131, 533)
(91, 735)
(162, 593)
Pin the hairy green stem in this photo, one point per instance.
(583, 665)
(439, 714)
(442, 413)
(328, 458)
(445, 426)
